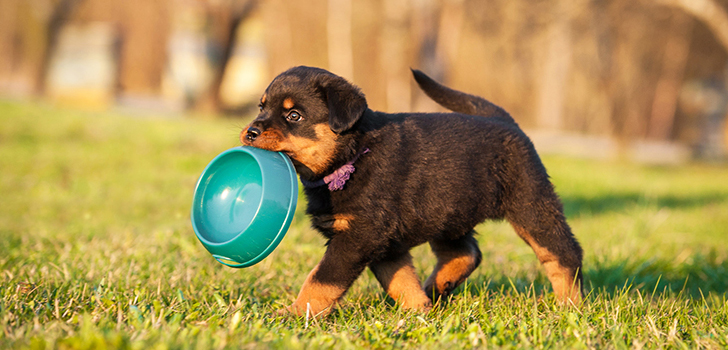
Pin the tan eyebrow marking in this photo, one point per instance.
(262, 99)
(288, 103)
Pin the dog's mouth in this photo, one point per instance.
(274, 142)
(311, 157)
(268, 140)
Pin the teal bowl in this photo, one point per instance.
(243, 204)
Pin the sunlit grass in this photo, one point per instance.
(96, 250)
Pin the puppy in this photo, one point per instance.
(379, 184)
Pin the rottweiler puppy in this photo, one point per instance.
(379, 184)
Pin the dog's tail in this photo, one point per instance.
(457, 101)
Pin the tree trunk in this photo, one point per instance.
(394, 51)
(341, 56)
(143, 52)
(8, 9)
(555, 72)
(60, 15)
(708, 12)
(675, 58)
(225, 21)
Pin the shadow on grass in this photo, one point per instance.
(699, 275)
(580, 205)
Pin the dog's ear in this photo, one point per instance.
(345, 101)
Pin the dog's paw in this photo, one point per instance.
(421, 308)
(310, 309)
(283, 312)
(437, 293)
(421, 303)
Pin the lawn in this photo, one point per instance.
(96, 251)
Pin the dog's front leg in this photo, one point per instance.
(397, 276)
(316, 296)
(342, 263)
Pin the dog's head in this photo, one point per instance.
(304, 113)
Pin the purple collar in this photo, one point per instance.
(338, 178)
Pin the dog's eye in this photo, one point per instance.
(260, 107)
(294, 116)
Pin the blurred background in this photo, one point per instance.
(639, 79)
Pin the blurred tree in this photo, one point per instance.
(338, 27)
(280, 35)
(602, 67)
(143, 32)
(224, 17)
(61, 13)
(28, 37)
(556, 67)
(628, 40)
(667, 90)
(437, 27)
(9, 53)
(395, 47)
(708, 11)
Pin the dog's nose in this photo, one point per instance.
(252, 134)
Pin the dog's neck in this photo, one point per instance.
(351, 144)
(338, 178)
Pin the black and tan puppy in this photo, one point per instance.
(379, 184)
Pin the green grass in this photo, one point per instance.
(96, 251)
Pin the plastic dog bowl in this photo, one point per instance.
(243, 204)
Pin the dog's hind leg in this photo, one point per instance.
(560, 254)
(535, 211)
(398, 277)
(456, 260)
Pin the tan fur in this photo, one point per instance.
(288, 103)
(270, 139)
(399, 279)
(452, 268)
(562, 278)
(313, 153)
(342, 222)
(317, 297)
(262, 99)
(336, 222)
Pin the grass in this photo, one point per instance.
(96, 251)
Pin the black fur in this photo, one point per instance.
(427, 178)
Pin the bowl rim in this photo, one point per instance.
(255, 153)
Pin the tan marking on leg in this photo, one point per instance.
(456, 260)
(399, 279)
(451, 270)
(288, 103)
(562, 278)
(318, 298)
